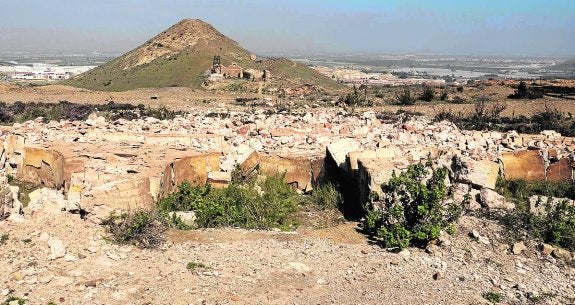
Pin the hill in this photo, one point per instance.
(179, 57)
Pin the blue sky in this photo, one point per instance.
(481, 27)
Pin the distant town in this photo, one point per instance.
(41, 71)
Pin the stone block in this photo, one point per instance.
(297, 170)
(481, 174)
(42, 166)
(526, 165)
(193, 169)
(219, 179)
(560, 171)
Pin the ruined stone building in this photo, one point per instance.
(236, 71)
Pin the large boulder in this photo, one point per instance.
(492, 200)
(193, 169)
(481, 174)
(297, 170)
(560, 171)
(339, 149)
(42, 166)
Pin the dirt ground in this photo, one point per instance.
(188, 99)
(337, 265)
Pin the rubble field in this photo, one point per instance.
(56, 251)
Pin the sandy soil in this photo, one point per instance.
(337, 265)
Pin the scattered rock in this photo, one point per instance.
(57, 249)
(562, 254)
(546, 249)
(518, 247)
(492, 200)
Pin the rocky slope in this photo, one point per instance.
(178, 57)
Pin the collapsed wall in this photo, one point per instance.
(102, 165)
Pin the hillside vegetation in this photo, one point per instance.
(179, 57)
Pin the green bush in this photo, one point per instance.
(4, 238)
(493, 297)
(12, 299)
(142, 228)
(428, 94)
(326, 196)
(195, 265)
(355, 98)
(404, 97)
(412, 211)
(269, 204)
(556, 226)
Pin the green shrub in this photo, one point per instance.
(11, 299)
(493, 297)
(195, 265)
(4, 238)
(356, 98)
(556, 226)
(142, 228)
(404, 97)
(412, 211)
(269, 204)
(444, 94)
(428, 94)
(326, 196)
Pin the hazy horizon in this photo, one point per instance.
(488, 28)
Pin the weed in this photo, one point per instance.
(493, 297)
(195, 265)
(326, 196)
(27, 240)
(405, 97)
(9, 178)
(142, 228)
(4, 238)
(556, 226)
(266, 205)
(412, 211)
(12, 299)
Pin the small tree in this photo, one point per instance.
(404, 97)
(428, 94)
(444, 94)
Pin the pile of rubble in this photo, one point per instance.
(100, 165)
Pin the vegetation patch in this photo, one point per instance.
(488, 117)
(493, 297)
(556, 226)
(249, 202)
(195, 265)
(412, 211)
(20, 112)
(4, 238)
(14, 300)
(247, 205)
(142, 228)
